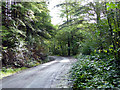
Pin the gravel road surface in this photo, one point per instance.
(53, 74)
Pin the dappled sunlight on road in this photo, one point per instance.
(65, 60)
(49, 63)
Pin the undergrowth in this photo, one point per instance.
(94, 72)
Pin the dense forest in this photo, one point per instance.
(26, 29)
(89, 32)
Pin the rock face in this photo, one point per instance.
(51, 58)
(22, 56)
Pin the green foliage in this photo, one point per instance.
(26, 26)
(9, 71)
(111, 5)
(68, 36)
(100, 68)
(92, 72)
(59, 44)
(28, 37)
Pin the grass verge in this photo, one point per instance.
(9, 71)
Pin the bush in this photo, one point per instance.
(92, 72)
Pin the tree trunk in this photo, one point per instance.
(68, 46)
(111, 34)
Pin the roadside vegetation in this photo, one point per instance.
(10, 71)
(95, 72)
(92, 33)
(98, 51)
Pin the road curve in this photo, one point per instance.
(49, 75)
